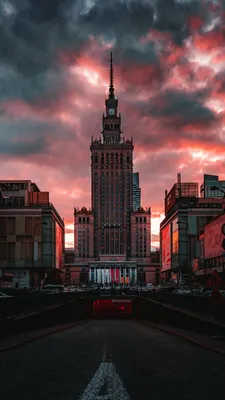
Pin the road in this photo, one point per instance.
(111, 359)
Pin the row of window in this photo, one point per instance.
(13, 251)
(84, 220)
(141, 220)
(9, 225)
(13, 186)
(113, 158)
(111, 126)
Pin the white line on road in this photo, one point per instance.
(106, 375)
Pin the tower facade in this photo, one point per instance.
(113, 239)
(111, 180)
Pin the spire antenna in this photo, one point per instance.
(111, 86)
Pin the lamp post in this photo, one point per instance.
(32, 271)
(189, 248)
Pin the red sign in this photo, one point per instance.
(214, 237)
(166, 248)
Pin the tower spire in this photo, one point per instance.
(111, 86)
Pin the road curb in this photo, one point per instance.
(187, 338)
(40, 336)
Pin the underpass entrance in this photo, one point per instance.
(112, 308)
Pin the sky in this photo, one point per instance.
(169, 76)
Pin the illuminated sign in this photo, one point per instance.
(213, 238)
(166, 248)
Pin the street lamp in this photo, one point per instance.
(32, 271)
(189, 246)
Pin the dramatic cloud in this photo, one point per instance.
(169, 77)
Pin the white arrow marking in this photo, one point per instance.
(105, 375)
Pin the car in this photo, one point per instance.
(4, 296)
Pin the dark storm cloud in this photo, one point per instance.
(174, 17)
(219, 82)
(24, 137)
(180, 108)
(37, 31)
(118, 19)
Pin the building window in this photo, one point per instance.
(2, 251)
(79, 219)
(29, 250)
(3, 225)
(11, 250)
(11, 225)
(29, 225)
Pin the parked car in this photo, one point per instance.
(4, 296)
(55, 288)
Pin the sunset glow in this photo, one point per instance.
(169, 79)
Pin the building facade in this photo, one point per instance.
(31, 235)
(212, 187)
(111, 257)
(136, 192)
(180, 232)
(83, 234)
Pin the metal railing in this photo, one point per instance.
(33, 302)
(196, 304)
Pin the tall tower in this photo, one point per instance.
(111, 176)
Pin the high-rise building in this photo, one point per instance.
(136, 192)
(112, 217)
(111, 175)
(212, 187)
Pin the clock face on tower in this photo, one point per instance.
(111, 111)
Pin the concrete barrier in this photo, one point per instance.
(196, 304)
(59, 314)
(31, 302)
(151, 310)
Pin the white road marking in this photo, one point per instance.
(106, 375)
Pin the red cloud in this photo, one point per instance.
(211, 40)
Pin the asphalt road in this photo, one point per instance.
(110, 359)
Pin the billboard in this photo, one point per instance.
(214, 237)
(166, 248)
